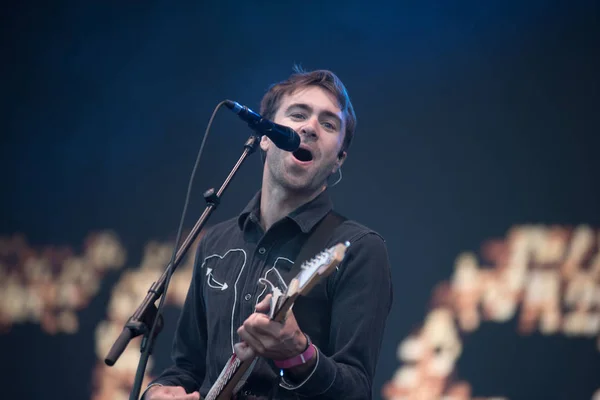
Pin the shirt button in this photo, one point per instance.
(247, 297)
(262, 250)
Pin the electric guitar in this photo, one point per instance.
(233, 376)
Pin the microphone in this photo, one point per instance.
(282, 136)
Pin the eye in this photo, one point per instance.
(298, 116)
(329, 126)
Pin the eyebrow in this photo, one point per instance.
(309, 109)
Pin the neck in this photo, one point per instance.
(276, 203)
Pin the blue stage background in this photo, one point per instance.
(475, 121)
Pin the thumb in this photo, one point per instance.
(158, 392)
(180, 394)
(243, 351)
(176, 390)
(264, 305)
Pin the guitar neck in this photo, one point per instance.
(283, 309)
(286, 302)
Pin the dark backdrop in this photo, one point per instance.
(473, 117)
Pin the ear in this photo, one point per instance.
(340, 160)
(265, 143)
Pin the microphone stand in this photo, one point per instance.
(143, 318)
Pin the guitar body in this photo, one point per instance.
(231, 379)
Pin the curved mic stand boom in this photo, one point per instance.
(144, 317)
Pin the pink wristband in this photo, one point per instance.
(299, 359)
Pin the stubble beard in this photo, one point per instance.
(286, 179)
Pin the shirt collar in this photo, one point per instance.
(306, 216)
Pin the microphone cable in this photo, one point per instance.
(148, 347)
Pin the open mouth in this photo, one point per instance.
(303, 155)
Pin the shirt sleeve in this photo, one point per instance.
(189, 343)
(361, 301)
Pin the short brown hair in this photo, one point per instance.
(325, 79)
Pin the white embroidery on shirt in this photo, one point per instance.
(211, 282)
(276, 279)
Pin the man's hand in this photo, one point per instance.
(170, 393)
(269, 339)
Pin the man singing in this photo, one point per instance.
(328, 346)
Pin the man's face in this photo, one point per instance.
(314, 113)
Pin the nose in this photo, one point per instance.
(309, 131)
